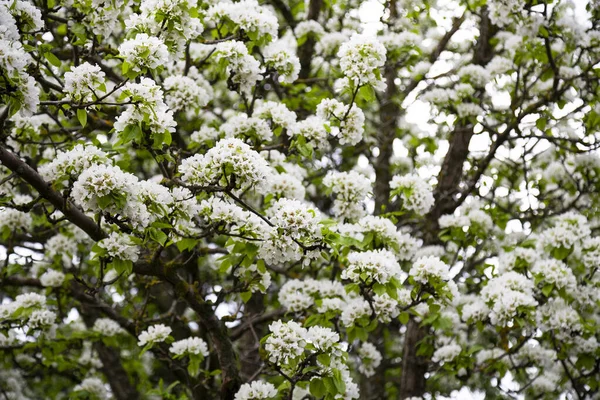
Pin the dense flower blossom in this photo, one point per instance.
(246, 164)
(284, 61)
(370, 358)
(360, 59)
(346, 121)
(154, 334)
(148, 110)
(120, 246)
(287, 341)
(70, 164)
(256, 390)
(183, 92)
(14, 220)
(243, 68)
(429, 268)
(107, 327)
(52, 278)
(242, 127)
(191, 345)
(351, 189)
(313, 130)
(415, 193)
(82, 80)
(278, 113)
(174, 169)
(248, 15)
(180, 14)
(377, 265)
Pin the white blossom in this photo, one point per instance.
(191, 345)
(154, 334)
(144, 52)
(52, 278)
(416, 194)
(256, 390)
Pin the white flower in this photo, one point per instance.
(120, 245)
(560, 317)
(429, 267)
(508, 293)
(294, 296)
(149, 111)
(256, 390)
(477, 75)
(82, 80)
(191, 345)
(287, 341)
(246, 164)
(360, 60)
(287, 185)
(297, 219)
(72, 163)
(8, 25)
(369, 357)
(252, 18)
(323, 339)
(243, 68)
(446, 353)
(14, 220)
(98, 182)
(242, 126)
(183, 92)
(156, 15)
(280, 57)
(107, 327)
(52, 278)
(313, 130)
(144, 52)
(416, 194)
(469, 110)
(154, 334)
(385, 307)
(354, 309)
(351, 189)
(306, 27)
(376, 265)
(347, 125)
(276, 112)
(28, 15)
(205, 135)
(555, 272)
(93, 386)
(30, 299)
(41, 318)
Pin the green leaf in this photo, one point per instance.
(158, 236)
(82, 116)
(122, 266)
(548, 289)
(246, 296)
(541, 123)
(317, 388)
(105, 201)
(194, 364)
(404, 317)
(186, 244)
(324, 359)
(52, 59)
(339, 381)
